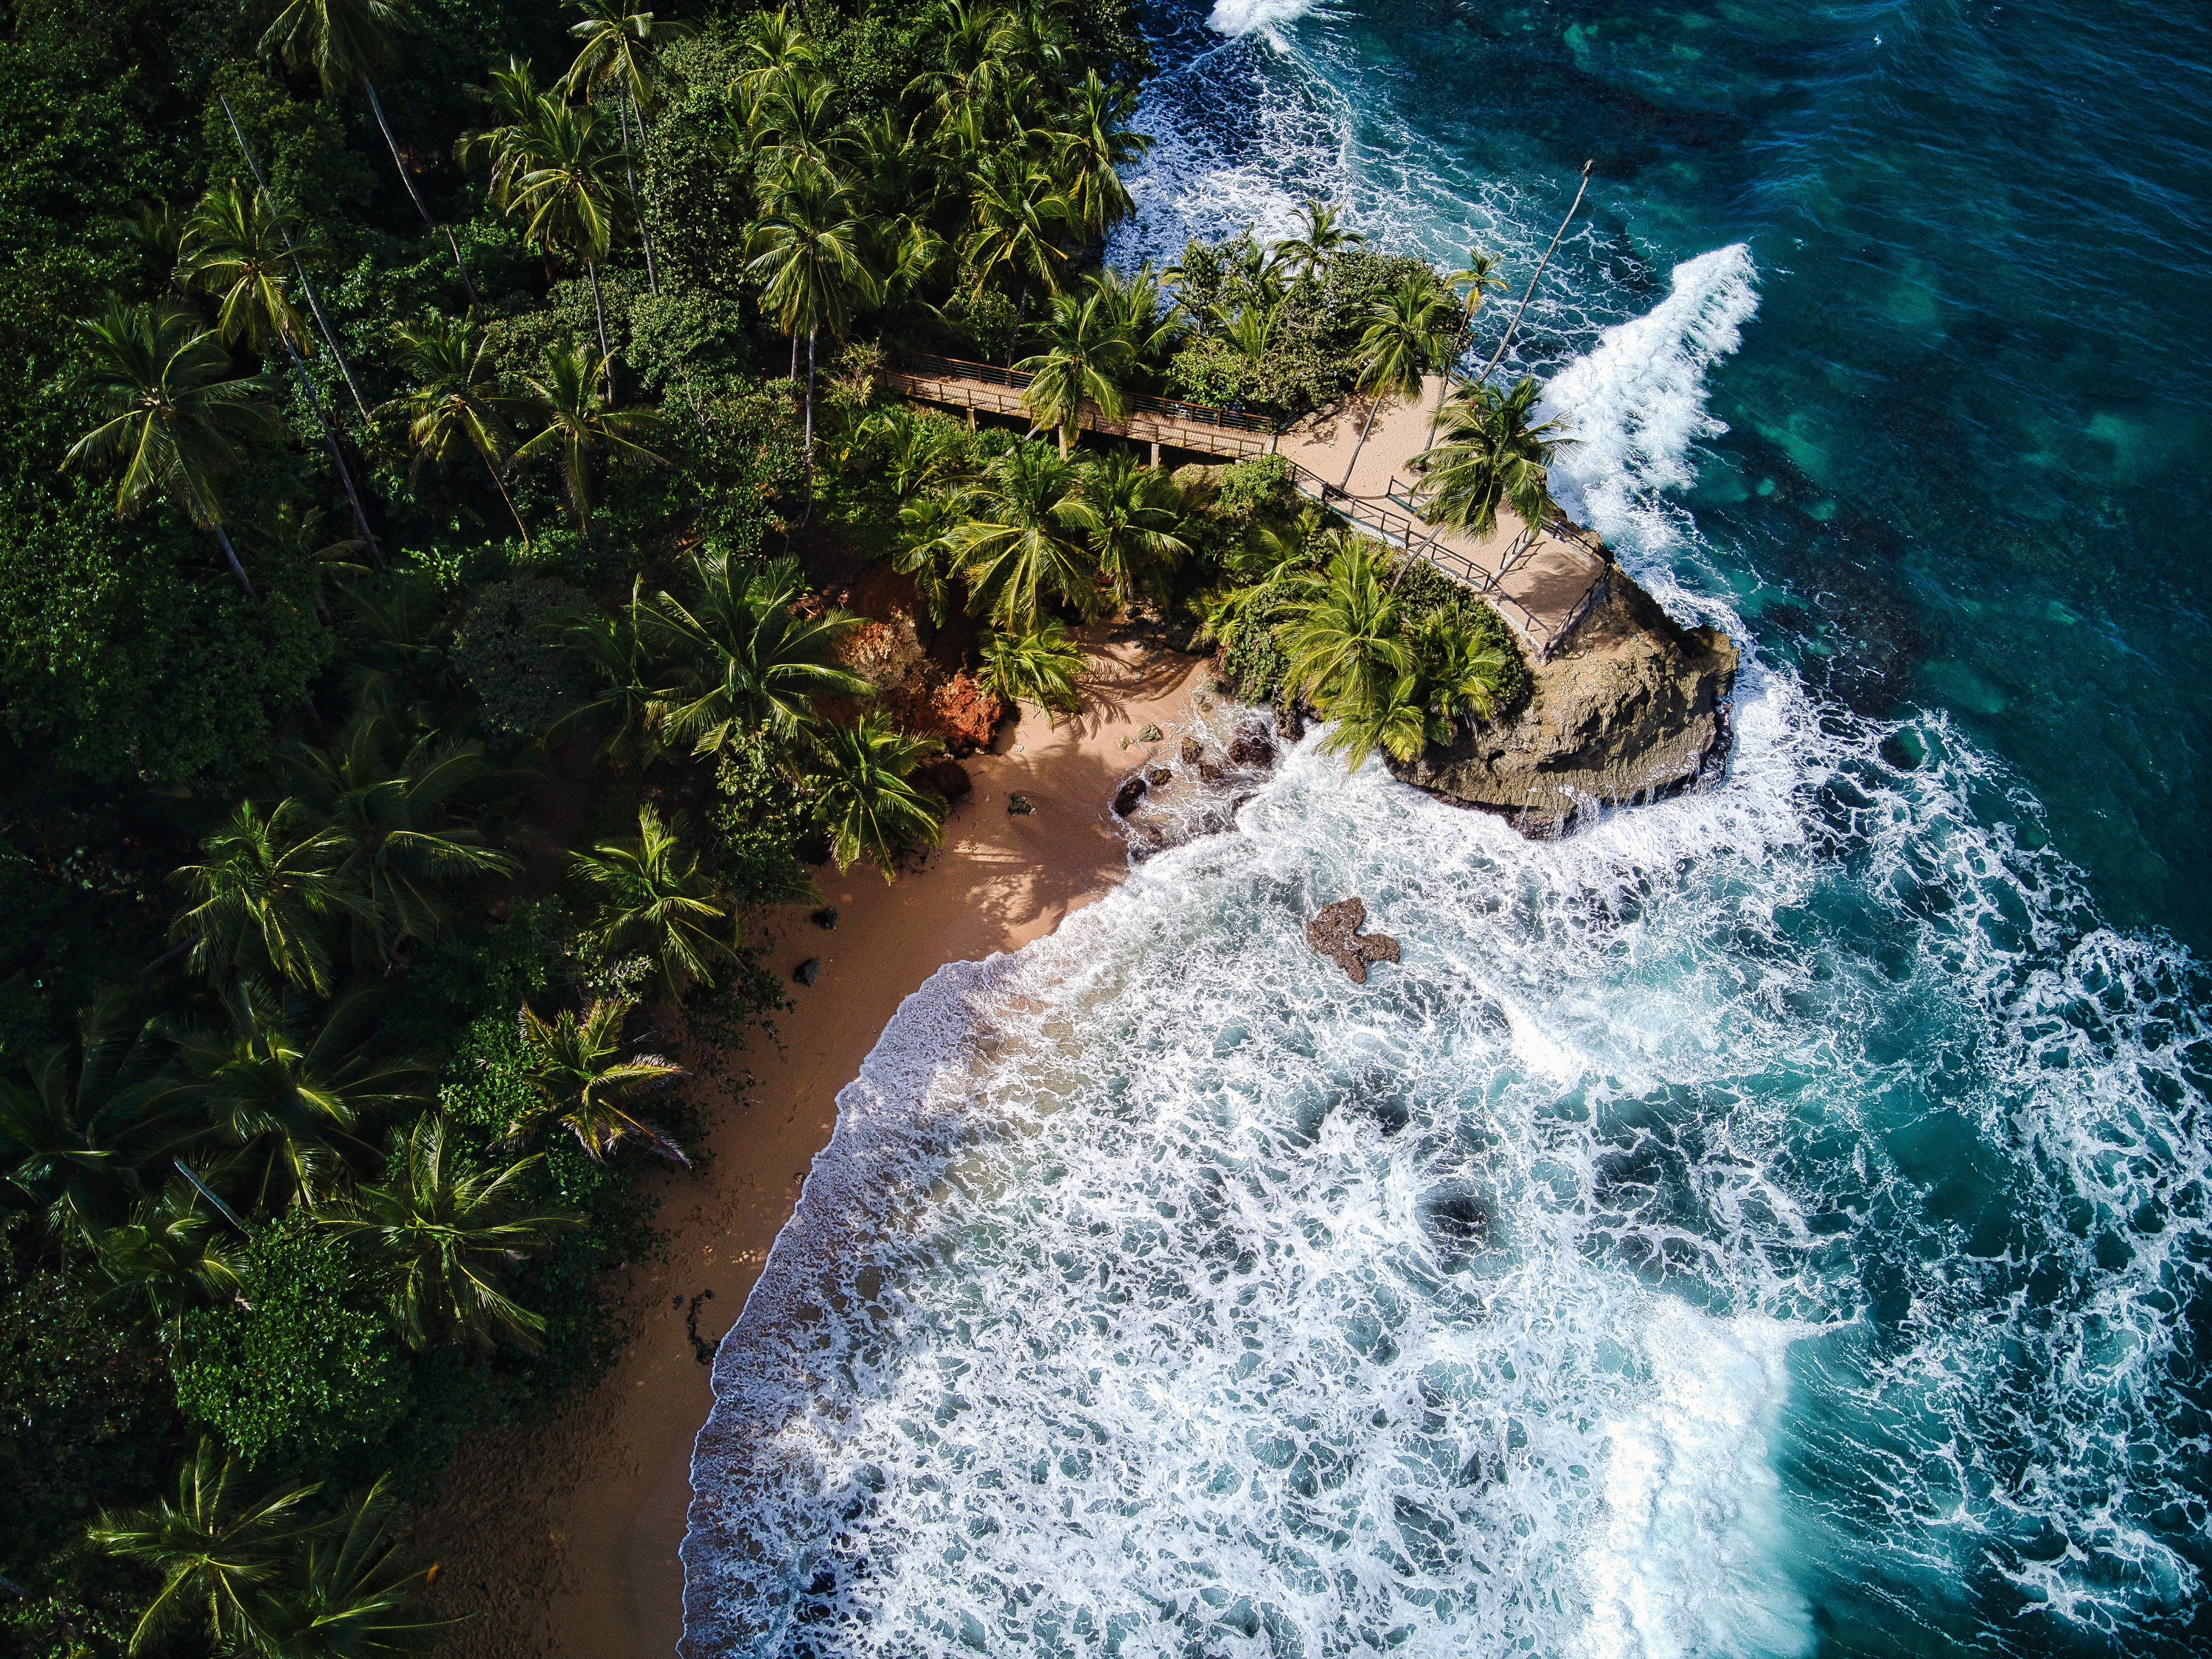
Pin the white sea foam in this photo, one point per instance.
(1255, 16)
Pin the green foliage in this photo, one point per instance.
(509, 649)
(757, 823)
(302, 1362)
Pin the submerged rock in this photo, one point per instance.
(1335, 932)
(1634, 707)
(1253, 747)
(1126, 797)
(1192, 751)
(1157, 775)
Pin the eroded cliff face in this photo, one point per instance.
(1634, 707)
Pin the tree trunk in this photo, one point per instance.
(795, 356)
(493, 472)
(1366, 427)
(236, 568)
(808, 515)
(414, 195)
(644, 230)
(606, 355)
(337, 459)
(1498, 355)
(322, 323)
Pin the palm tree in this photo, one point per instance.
(1087, 361)
(744, 659)
(344, 1589)
(1139, 511)
(613, 55)
(1461, 676)
(655, 902)
(579, 422)
(1040, 665)
(520, 112)
(457, 405)
(1345, 649)
(1094, 145)
(1025, 533)
(1018, 217)
(169, 1256)
(171, 417)
(344, 40)
(74, 1126)
(1138, 310)
(232, 248)
(386, 802)
(263, 901)
(1393, 718)
(807, 253)
(1407, 335)
(1491, 456)
(218, 1545)
(928, 523)
(293, 1092)
(589, 1082)
(776, 43)
(445, 1233)
(570, 200)
(1477, 279)
(863, 795)
(1320, 239)
(629, 708)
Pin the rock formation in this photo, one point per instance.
(1633, 708)
(1335, 932)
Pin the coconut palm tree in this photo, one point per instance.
(172, 417)
(1039, 666)
(1136, 308)
(743, 659)
(579, 422)
(346, 1589)
(263, 899)
(1408, 335)
(294, 1093)
(233, 249)
(570, 199)
(1093, 145)
(386, 802)
(1018, 221)
(75, 1128)
(1087, 359)
(655, 902)
(1025, 533)
(1320, 239)
(1344, 644)
(1393, 718)
(615, 55)
(1462, 677)
(588, 1081)
(344, 40)
(863, 795)
(457, 406)
(1139, 512)
(807, 254)
(628, 709)
(444, 1234)
(216, 1548)
(519, 111)
(1492, 456)
(170, 1254)
(776, 43)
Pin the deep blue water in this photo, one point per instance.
(1771, 1222)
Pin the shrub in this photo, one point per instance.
(509, 649)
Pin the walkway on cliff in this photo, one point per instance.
(1542, 583)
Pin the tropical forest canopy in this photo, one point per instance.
(431, 426)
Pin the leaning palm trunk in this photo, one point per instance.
(322, 323)
(644, 230)
(413, 195)
(1498, 356)
(492, 472)
(236, 568)
(599, 306)
(337, 459)
(808, 516)
(1366, 427)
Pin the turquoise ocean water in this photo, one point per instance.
(1770, 1222)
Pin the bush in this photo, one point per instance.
(508, 650)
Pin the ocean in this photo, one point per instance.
(1770, 1222)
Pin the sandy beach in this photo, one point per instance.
(562, 1540)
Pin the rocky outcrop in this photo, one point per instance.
(1335, 932)
(1633, 708)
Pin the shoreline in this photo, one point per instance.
(562, 1538)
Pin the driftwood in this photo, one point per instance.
(1335, 933)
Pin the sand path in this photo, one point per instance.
(562, 1540)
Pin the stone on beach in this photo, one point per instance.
(1335, 932)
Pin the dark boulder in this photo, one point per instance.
(944, 777)
(1126, 797)
(1192, 751)
(1252, 748)
(1335, 932)
(808, 971)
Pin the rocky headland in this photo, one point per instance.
(1633, 708)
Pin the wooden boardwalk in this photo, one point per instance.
(1542, 583)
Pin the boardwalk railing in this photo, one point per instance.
(1424, 540)
(1181, 411)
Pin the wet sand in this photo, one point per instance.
(562, 1540)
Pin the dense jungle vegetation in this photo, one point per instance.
(426, 418)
